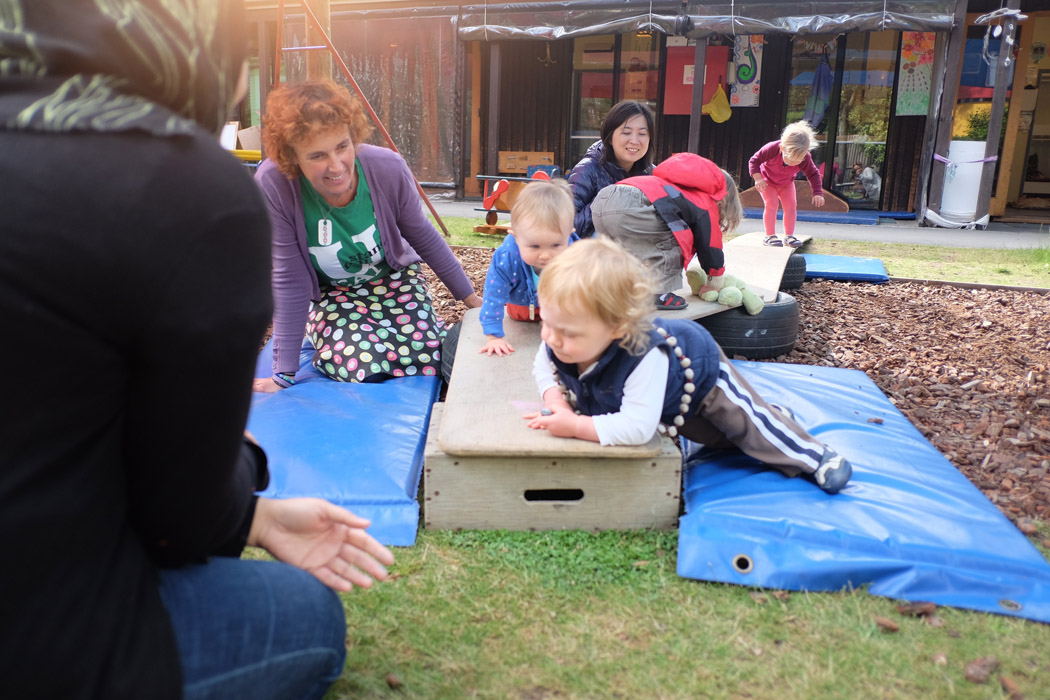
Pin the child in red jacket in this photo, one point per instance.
(683, 208)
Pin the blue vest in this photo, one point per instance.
(600, 391)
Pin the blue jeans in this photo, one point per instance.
(253, 629)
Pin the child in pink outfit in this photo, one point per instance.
(774, 167)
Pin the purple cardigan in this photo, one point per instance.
(403, 230)
(770, 162)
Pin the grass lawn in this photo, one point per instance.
(580, 615)
(565, 615)
(603, 615)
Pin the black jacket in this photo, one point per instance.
(134, 295)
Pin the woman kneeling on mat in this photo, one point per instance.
(348, 236)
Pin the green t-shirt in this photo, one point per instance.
(351, 252)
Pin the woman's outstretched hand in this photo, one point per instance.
(328, 541)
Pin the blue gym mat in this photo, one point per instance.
(861, 217)
(357, 445)
(842, 268)
(909, 526)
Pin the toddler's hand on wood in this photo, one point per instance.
(559, 421)
(818, 200)
(496, 346)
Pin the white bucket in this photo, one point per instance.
(963, 181)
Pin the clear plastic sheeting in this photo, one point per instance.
(557, 20)
(821, 16)
(406, 69)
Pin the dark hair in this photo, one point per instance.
(617, 116)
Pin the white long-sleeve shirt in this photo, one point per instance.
(643, 398)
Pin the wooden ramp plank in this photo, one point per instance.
(760, 266)
(487, 396)
(751, 199)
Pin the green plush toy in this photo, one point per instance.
(734, 281)
(727, 290)
(753, 303)
(730, 296)
(697, 278)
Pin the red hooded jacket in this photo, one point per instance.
(694, 221)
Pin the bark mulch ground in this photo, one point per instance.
(969, 368)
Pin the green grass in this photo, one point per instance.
(1020, 268)
(573, 614)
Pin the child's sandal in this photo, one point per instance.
(670, 301)
(773, 242)
(792, 241)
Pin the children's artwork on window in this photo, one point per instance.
(747, 57)
(913, 91)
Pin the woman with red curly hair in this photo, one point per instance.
(348, 236)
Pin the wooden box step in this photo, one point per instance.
(530, 492)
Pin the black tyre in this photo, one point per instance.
(769, 333)
(794, 273)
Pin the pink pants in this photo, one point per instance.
(786, 195)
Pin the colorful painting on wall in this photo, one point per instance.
(913, 90)
(747, 57)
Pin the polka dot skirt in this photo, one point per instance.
(384, 328)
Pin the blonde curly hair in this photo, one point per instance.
(797, 139)
(597, 276)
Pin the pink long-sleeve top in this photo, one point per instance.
(770, 162)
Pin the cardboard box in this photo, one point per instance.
(519, 161)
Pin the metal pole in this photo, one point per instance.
(995, 119)
(695, 111)
(952, 74)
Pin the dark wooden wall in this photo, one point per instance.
(535, 99)
(903, 147)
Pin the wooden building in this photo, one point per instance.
(456, 84)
